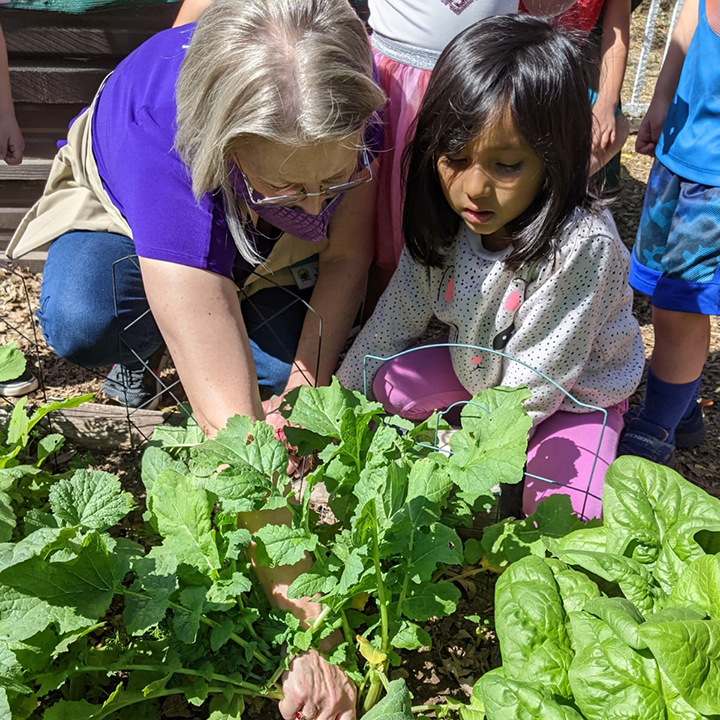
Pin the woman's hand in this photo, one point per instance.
(316, 690)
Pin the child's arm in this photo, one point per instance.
(577, 327)
(651, 125)
(11, 139)
(190, 11)
(400, 318)
(607, 139)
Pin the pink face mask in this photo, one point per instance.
(293, 221)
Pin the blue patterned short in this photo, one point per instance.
(676, 257)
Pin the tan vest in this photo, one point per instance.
(75, 199)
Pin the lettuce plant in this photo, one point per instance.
(620, 620)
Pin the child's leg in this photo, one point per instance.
(563, 450)
(418, 383)
(676, 260)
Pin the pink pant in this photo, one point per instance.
(562, 449)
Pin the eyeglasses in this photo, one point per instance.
(293, 198)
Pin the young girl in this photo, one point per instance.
(505, 244)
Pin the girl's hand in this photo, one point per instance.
(603, 126)
(610, 131)
(12, 143)
(649, 130)
(316, 690)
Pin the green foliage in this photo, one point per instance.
(12, 363)
(195, 621)
(24, 481)
(620, 620)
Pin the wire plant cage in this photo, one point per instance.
(586, 490)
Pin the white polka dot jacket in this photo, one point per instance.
(571, 319)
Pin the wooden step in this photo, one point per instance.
(31, 168)
(57, 81)
(10, 218)
(34, 261)
(112, 32)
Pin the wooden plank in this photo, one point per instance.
(98, 426)
(38, 42)
(33, 261)
(10, 218)
(98, 33)
(20, 193)
(52, 121)
(62, 82)
(31, 168)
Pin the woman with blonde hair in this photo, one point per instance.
(233, 155)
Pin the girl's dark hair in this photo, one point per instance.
(539, 73)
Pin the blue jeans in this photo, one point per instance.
(94, 311)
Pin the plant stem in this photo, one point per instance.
(240, 684)
(373, 692)
(114, 707)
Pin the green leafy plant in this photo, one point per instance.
(621, 620)
(24, 482)
(93, 624)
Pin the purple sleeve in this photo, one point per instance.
(153, 189)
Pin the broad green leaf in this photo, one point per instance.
(410, 636)
(47, 446)
(4, 703)
(225, 591)
(223, 708)
(39, 543)
(431, 600)
(91, 499)
(386, 487)
(506, 699)
(699, 586)
(311, 583)
(492, 446)
(12, 364)
(21, 616)
(221, 633)
(186, 614)
(73, 710)
(634, 579)
(283, 545)
(183, 518)
(654, 516)
(429, 485)
(530, 622)
(576, 588)
(86, 584)
(689, 654)
(439, 545)
(320, 410)
(608, 677)
(8, 520)
(148, 599)
(154, 461)
(621, 616)
(244, 442)
(240, 488)
(394, 706)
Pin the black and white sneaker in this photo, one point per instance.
(23, 385)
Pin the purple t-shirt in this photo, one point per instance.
(133, 142)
